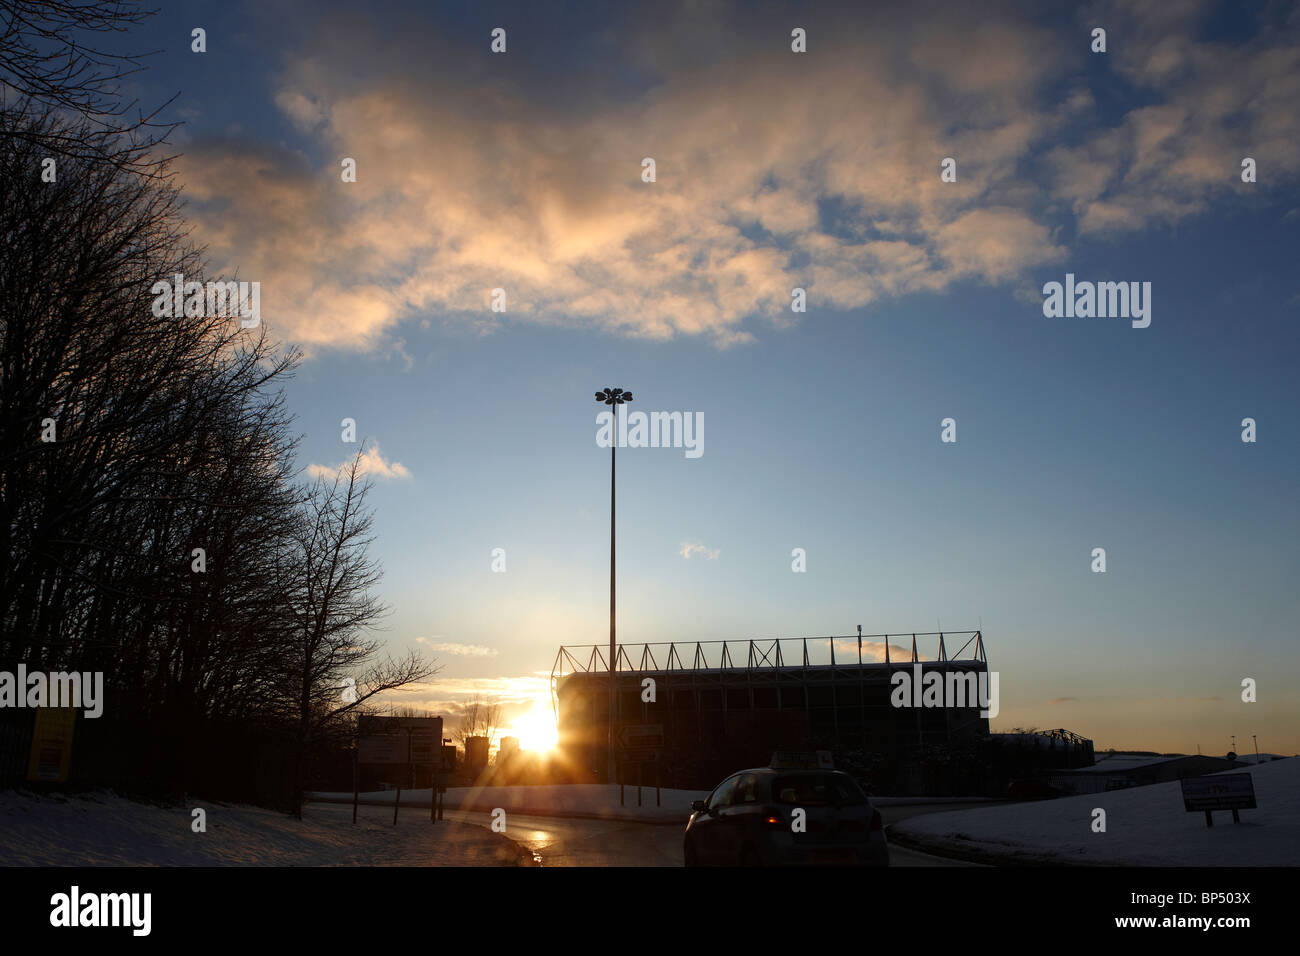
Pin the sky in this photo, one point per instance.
(774, 170)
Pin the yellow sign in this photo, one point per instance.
(52, 744)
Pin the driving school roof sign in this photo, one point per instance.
(802, 760)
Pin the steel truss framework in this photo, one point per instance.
(759, 654)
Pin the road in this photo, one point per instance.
(558, 841)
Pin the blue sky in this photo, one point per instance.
(822, 430)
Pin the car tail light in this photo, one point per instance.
(876, 822)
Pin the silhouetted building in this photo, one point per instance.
(1119, 771)
(723, 705)
(476, 753)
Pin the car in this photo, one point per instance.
(753, 819)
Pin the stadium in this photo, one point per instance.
(685, 714)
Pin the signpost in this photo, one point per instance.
(405, 742)
(1220, 791)
(641, 742)
(448, 765)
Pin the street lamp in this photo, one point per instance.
(612, 397)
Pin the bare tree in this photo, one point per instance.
(479, 719)
(52, 58)
(406, 710)
(128, 440)
(329, 584)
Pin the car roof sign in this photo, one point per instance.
(802, 760)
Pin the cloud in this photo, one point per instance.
(449, 696)
(873, 651)
(1209, 105)
(774, 171)
(995, 244)
(689, 548)
(373, 465)
(459, 650)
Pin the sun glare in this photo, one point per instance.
(535, 730)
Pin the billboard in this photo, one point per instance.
(1220, 791)
(399, 740)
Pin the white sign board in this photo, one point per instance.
(1220, 791)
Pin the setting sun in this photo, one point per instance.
(535, 730)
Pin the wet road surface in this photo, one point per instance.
(559, 841)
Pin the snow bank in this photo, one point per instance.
(1145, 826)
(106, 830)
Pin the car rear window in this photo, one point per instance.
(817, 790)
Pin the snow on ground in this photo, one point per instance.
(1258, 758)
(1145, 826)
(1122, 763)
(592, 800)
(106, 830)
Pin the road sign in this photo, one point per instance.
(1220, 791)
(413, 743)
(400, 740)
(641, 737)
(425, 743)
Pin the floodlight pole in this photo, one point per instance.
(613, 397)
(613, 687)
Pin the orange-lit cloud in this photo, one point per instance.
(774, 172)
(458, 650)
(373, 465)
